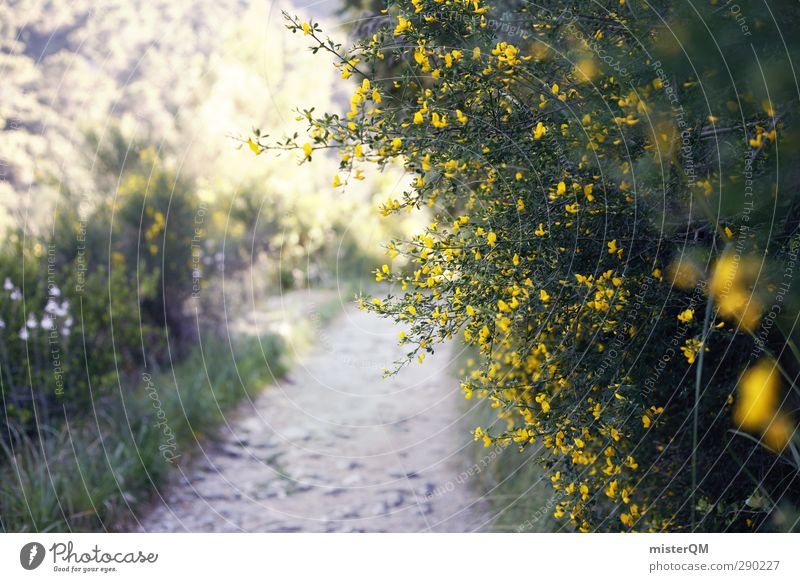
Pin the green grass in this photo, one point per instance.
(91, 472)
(512, 482)
(519, 494)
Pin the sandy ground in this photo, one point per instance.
(334, 447)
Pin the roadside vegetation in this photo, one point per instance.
(143, 244)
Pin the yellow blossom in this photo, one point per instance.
(254, 147)
(402, 26)
(779, 432)
(757, 396)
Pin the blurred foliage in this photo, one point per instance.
(94, 474)
(137, 227)
(615, 229)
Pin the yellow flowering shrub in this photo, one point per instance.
(579, 243)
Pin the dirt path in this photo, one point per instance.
(334, 447)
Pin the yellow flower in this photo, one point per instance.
(491, 239)
(586, 70)
(690, 349)
(778, 433)
(725, 275)
(412, 310)
(730, 286)
(542, 400)
(683, 273)
(539, 131)
(480, 434)
(686, 316)
(646, 422)
(757, 396)
(307, 149)
(740, 305)
(544, 296)
(306, 28)
(438, 122)
(402, 26)
(254, 147)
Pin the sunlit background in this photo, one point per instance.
(143, 239)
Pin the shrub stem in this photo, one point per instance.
(696, 412)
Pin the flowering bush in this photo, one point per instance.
(34, 327)
(609, 228)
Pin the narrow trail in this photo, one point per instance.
(334, 447)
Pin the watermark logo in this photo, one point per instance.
(31, 555)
